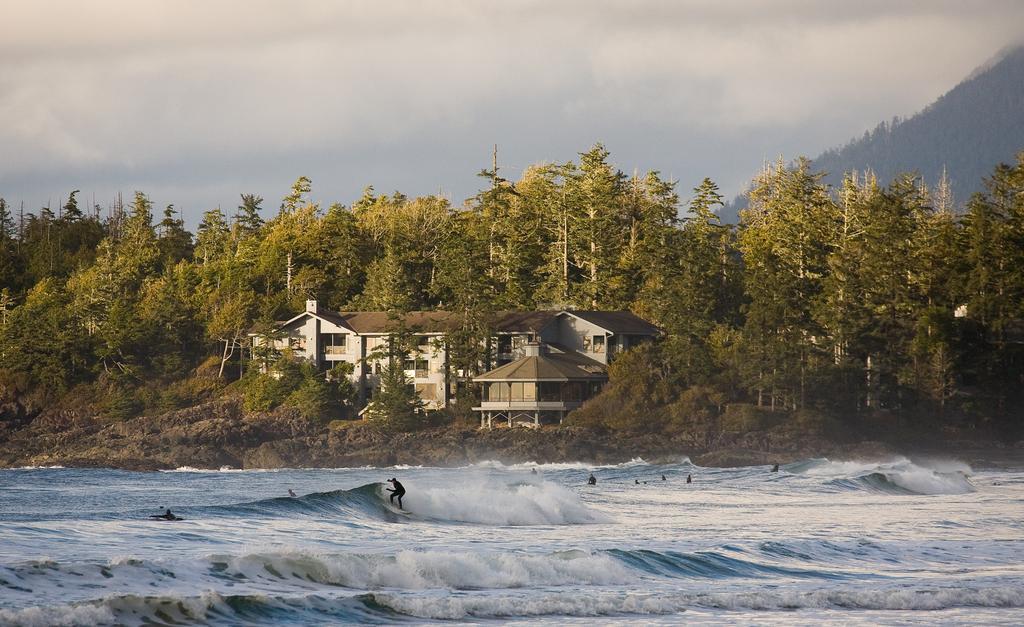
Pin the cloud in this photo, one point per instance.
(193, 99)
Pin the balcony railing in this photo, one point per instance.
(528, 405)
(334, 350)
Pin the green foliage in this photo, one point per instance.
(837, 302)
(396, 403)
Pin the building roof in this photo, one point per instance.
(548, 367)
(415, 321)
(522, 321)
(624, 322)
(371, 322)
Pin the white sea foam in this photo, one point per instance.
(55, 467)
(626, 603)
(418, 570)
(936, 477)
(493, 503)
(58, 616)
(556, 466)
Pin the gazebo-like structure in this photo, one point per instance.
(541, 387)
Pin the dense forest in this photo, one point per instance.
(866, 299)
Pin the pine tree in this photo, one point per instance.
(174, 241)
(248, 221)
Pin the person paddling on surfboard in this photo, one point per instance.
(167, 515)
(398, 492)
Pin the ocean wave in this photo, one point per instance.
(408, 569)
(207, 608)
(494, 503)
(895, 476)
(632, 603)
(484, 502)
(421, 570)
(215, 608)
(715, 565)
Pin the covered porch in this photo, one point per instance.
(540, 388)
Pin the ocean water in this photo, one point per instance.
(818, 542)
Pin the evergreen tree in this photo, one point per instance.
(248, 220)
(174, 241)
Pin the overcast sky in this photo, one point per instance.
(196, 102)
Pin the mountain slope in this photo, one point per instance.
(968, 131)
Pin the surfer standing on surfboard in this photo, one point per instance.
(398, 492)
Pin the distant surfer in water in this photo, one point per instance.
(167, 515)
(592, 480)
(689, 478)
(775, 468)
(291, 493)
(398, 491)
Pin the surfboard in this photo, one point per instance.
(393, 509)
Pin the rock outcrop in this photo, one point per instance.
(220, 433)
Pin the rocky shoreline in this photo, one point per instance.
(219, 433)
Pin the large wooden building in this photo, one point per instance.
(542, 364)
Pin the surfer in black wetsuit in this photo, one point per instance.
(775, 468)
(167, 515)
(689, 478)
(592, 480)
(398, 492)
(291, 493)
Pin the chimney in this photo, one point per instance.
(533, 349)
(312, 307)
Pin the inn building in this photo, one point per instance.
(540, 364)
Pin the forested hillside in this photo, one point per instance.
(957, 139)
(965, 133)
(838, 300)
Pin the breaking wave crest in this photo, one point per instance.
(216, 608)
(612, 604)
(896, 476)
(489, 503)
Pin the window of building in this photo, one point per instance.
(550, 391)
(334, 343)
(598, 343)
(297, 343)
(572, 391)
(498, 392)
(523, 391)
(427, 391)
